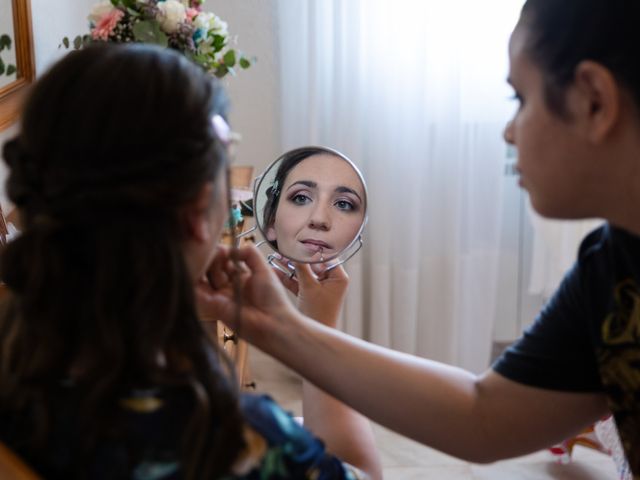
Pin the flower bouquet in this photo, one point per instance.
(179, 24)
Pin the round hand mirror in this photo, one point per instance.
(311, 206)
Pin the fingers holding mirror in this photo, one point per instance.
(311, 206)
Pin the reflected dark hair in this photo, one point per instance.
(287, 162)
(115, 140)
(565, 32)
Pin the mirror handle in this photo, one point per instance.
(290, 272)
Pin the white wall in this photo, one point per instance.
(52, 20)
(254, 93)
(6, 27)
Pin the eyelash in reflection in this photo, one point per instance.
(298, 195)
(353, 207)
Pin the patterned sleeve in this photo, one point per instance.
(279, 448)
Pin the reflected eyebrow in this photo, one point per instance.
(306, 183)
(310, 184)
(348, 190)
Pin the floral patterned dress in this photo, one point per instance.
(278, 447)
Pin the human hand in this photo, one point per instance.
(320, 293)
(264, 303)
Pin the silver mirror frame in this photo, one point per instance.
(275, 258)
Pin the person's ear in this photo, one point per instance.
(271, 234)
(195, 215)
(596, 100)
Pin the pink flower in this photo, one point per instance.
(192, 13)
(105, 26)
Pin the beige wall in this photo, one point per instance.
(52, 20)
(254, 92)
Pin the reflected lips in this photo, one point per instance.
(316, 245)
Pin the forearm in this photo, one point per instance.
(441, 406)
(346, 433)
(424, 400)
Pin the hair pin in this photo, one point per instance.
(222, 129)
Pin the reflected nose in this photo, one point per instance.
(508, 133)
(319, 219)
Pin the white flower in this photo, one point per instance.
(219, 26)
(99, 10)
(208, 21)
(171, 14)
(203, 20)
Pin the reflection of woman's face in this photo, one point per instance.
(320, 211)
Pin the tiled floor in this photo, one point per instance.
(404, 459)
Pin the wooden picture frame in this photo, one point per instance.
(11, 95)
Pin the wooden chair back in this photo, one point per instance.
(13, 468)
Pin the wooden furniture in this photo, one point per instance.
(13, 468)
(241, 177)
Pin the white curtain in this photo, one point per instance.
(555, 249)
(414, 93)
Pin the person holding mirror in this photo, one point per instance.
(118, 173)
(315, 206)
(575, 67)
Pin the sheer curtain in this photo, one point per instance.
(415, 94)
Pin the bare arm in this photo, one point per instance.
(346, 433)
(478, 418)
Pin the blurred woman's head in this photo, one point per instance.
(118, 175)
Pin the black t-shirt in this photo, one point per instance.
(587, 338)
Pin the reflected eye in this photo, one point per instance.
(299, 199)
(345, 205)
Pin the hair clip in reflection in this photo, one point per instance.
(222, 129)
(275, 189)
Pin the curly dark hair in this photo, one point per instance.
(114, 141)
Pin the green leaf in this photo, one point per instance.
(149, 32)
(245, 62)
(86, 40)
(221, 71)
(229, 58)
(77, 43)
(65, 42)
(129, 3)
(11, 69)
(218, 42)
(5, 41)
(133, 13)
(1, 67)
